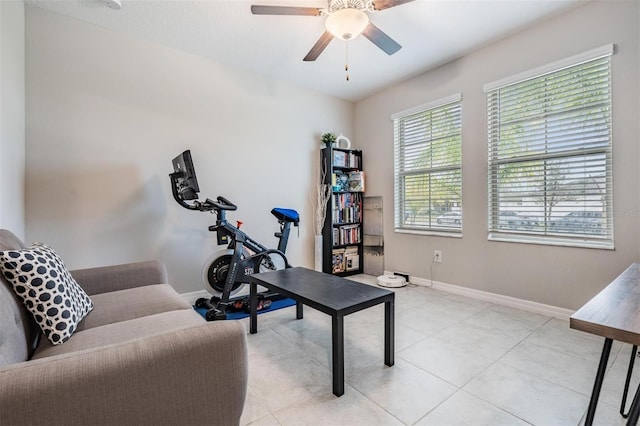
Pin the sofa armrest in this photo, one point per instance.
(119, 277)
(196, 375)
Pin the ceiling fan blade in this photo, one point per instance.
(380, 39)
(386, 4)
(320, 45)
(285, 10)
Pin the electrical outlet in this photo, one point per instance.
(437, 256)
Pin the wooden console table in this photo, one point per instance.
(614, 314)
(334, 296)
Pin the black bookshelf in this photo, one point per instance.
(342, 234)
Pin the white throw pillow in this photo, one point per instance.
(47, 290)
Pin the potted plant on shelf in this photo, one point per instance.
(328, 139)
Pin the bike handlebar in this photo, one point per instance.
(176, 194)
(207, 205)
(224, 204)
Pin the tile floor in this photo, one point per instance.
(459, 361)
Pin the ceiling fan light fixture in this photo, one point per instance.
(112, 4)
(347, 24)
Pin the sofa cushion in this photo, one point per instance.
(19, 332)
(47, 289)
(105, 279)
(132, 303)
(121, 332)
(14, 323)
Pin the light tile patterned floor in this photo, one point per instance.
(459, 361)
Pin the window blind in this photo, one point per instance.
(427, 168)
(550, 157)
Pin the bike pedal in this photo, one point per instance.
(215, 315)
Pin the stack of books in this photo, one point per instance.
(345, 159)
(347, 234)
(348, 182)
(345, 259)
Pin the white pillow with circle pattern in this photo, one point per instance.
(47, 290)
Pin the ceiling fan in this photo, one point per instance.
(346, 19)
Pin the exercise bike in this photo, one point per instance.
(226, 271)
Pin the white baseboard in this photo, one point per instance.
(513, 302)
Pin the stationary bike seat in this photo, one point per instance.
(287, 215)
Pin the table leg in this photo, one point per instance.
(389, 326)
(634, 411)
(337, 348)
(595, 394)
(299, 310)
(627, 382)
(253, 308)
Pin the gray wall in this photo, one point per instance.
(107, 113)
(559, 276)
(12, 116)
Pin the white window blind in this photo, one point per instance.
(550, 156)
(428, 168)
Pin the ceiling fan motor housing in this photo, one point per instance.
(364, 5)
(113, 4)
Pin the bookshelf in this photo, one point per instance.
(342, 248)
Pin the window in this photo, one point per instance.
(428, 168)
(550, 154)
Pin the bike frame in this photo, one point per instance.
(239, 242)
(247, 253)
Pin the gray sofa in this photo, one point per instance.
(143, 356)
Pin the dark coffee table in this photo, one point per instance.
(332, 295)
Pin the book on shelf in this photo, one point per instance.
(351, 259)
(337, 260)
(340, 182)
(345, 159)
(356, 181)
(347, 182)
(351, 214)
(347, 234)
(339, 158)
(353, 160)
(346, 207)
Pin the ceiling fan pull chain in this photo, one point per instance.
(346, 61)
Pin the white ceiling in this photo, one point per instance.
(432, 32)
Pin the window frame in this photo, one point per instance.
(399, 195)
(547, 237)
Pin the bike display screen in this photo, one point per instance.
(187, 183)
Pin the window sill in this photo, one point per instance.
(429, 233)
(551, 241)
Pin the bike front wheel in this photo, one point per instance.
(214, 273)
